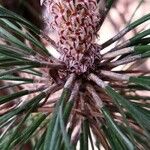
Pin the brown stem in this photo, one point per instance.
(46, 37)
(98, 132)
(112, 54)
(124, 60)
(114, 75)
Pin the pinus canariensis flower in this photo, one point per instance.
(79, 97)
(75, 23)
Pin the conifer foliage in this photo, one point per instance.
(79, 100)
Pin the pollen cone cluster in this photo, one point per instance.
(75, 23)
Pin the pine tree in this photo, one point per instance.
(94, 105)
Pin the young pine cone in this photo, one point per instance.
(75, 22)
